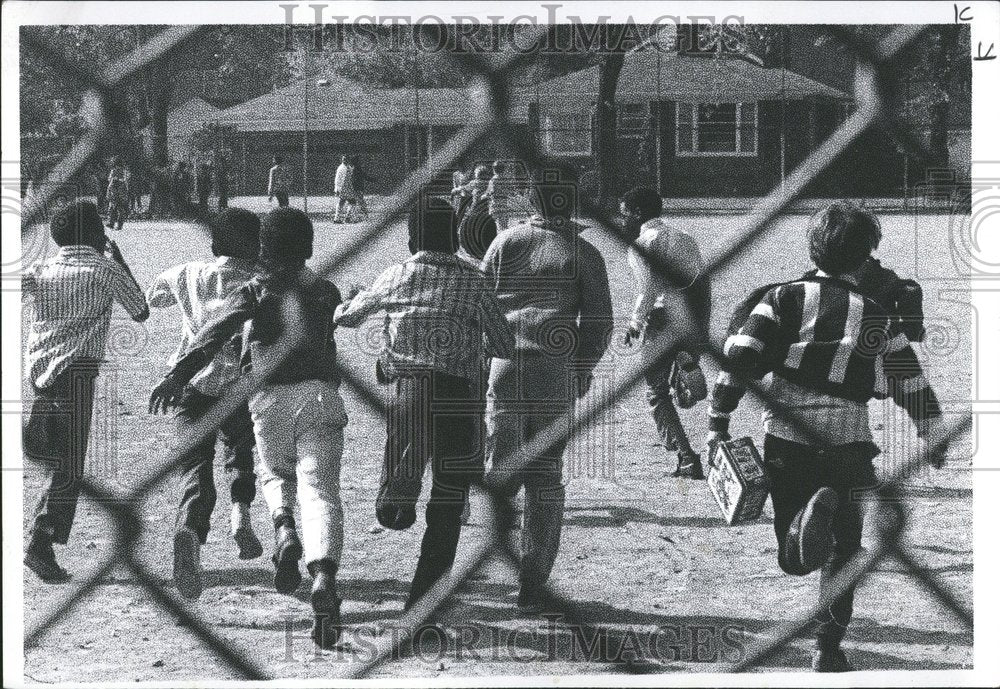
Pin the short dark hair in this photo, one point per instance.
(842, 236)
(236, 232)
(78, 222)
(643, 202)
(431, 226)
(286, 236)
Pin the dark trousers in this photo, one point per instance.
(282, 197)
(796, 472)
(433, 417)
(117, 210)
(55, 437)
(197, 478)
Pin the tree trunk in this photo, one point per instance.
(940, 109)
(159, 107)
(606, 144)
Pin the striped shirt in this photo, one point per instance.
(73, 293)
(438, 308)
(200, 289)
(828, 350)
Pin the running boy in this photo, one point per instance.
(829, 350)
(73, 293)
(298, 414)
(200, 289)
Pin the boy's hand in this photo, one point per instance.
(165, 395)
(353, 290)
(712, 441)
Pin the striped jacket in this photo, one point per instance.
(820, 334)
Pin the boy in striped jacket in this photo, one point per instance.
(826, 350)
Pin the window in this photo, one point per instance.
(716, 129)
(567, 133)
(633, 120)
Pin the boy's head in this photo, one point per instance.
(842, 236)
(482, 173)
(638, 206)
(78, 222)
(431, 226)
(236, 233)
(286, 236)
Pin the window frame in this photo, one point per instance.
(695, 153)
(547, 130)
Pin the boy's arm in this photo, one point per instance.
(746, 355)
(124, 288)
(596, 314)
(907, 384)
(499, 334)
(646, 297)
(367, 302)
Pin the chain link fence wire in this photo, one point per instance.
(488, 121)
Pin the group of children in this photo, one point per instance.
(509, 343)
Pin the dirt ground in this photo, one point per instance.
(644, 555)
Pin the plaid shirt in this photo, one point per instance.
(73, 293)
(200, 289)
(437, 309)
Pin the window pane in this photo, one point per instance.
(748, 127)
(685, 132)
(567, 133)
(717, 127)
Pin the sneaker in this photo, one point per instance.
(327, 626)
(242, 531)
(815, 529)
(831, 660)
(689, 466)
(40, 558)
(187, 563)
(287, 552)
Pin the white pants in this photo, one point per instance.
(300, 440)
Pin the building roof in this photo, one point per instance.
(343, 104)
(652, 75)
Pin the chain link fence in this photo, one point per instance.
(486, 122)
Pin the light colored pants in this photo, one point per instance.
(300, 440)
(525, 397)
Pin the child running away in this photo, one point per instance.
(200, 289)
(72, 294)
(442, 325)
(298, 414)
(828, 349)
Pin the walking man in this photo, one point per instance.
(829, 349)
(73, 294)
(442, 324)
(670, 319)
(298, 414)
(553, 288)
(344, 192)
(278, 182)
(200, 289)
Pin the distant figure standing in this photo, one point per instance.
(278, 182)
(221, 168)
(344, 191)
(117, 195)
(203, 183)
